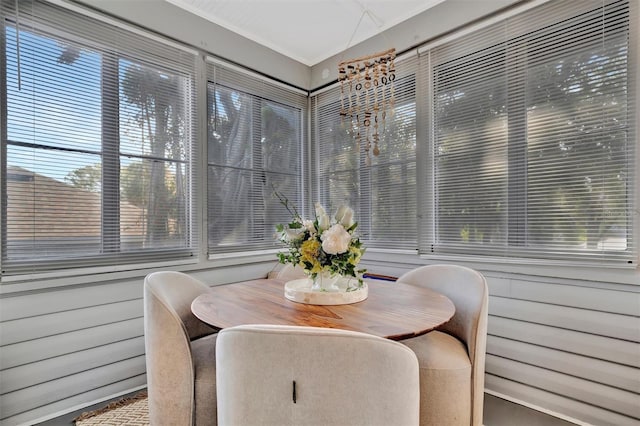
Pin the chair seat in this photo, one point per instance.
(203, 351)
(445, 379)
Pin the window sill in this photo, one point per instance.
(79, 276)
(13, 284)
(243, 257)
(586, 272)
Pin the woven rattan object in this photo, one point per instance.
(132, 411)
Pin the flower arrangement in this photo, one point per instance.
(322, 245)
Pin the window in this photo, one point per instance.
(384, 194)
(525, 134)
(534, 136)
(97, 137)
(254, 149)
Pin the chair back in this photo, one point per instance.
(169, 327)
(290, 375)
(468, 291)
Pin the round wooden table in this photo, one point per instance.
(393, 310)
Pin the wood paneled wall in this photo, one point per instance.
(66, 347)
(63, 348)
(571, 347)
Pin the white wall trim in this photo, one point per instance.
(93, 271)
(378, 260)
(535, 407)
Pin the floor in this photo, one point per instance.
(497, 412)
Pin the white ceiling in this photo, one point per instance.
(308, 31)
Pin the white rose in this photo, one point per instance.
(323, 218)
(335, 240)
(344, 216)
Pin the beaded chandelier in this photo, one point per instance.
(366, 93)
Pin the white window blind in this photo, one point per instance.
(534, 136)
(384, 194)
(97, 135)
(254, 149)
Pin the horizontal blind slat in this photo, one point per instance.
(534, 128)
(100, 136)
(255, 148)
(383, 194)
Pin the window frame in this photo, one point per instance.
(110, 256)
(327, 101)
(260, 90)
(516, 250)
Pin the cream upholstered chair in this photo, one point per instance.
(340, 377)
(180, 352)
(452, 357)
